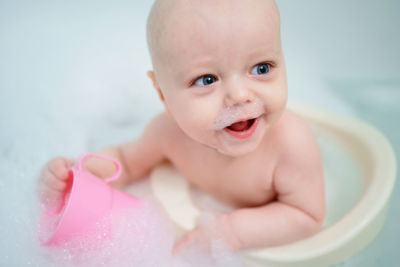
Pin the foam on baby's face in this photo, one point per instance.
(243, 111)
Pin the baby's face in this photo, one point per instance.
(221, 72)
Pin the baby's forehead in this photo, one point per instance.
(172, 20)
(175, 13)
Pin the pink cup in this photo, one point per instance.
(87, 201)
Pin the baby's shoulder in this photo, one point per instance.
(291, 123)
(294, 135)
(161, 122)
(164, 128)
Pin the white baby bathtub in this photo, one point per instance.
(335, 242)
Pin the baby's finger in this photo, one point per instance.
(60, 167)
(180, 245)
(51, 181)
(196, 236)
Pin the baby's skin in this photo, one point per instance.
(219, 70)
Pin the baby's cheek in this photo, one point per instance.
(197, 117)
(196, 125)
(275, 105)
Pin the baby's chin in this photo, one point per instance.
(237, 151)
(231, 149)
(236, 147)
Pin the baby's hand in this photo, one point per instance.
(198, 237)
(215, 232)
(206, 245)
(54, 180)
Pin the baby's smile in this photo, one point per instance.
(243, 129)
(240, 128)
(238, 117)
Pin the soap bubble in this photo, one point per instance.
(229, 115)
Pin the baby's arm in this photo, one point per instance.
(299, 208)
(137, 158)
(297, 212)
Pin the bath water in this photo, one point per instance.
(136, 235)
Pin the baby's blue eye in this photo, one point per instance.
(205, 80)
(260, 69)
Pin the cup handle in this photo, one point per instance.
(83, 157)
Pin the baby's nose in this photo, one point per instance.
(237, 93)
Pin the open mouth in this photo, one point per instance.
(242, 129)
(241, 125)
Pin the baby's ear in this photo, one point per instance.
(152, 77)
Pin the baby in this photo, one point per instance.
(220, 73)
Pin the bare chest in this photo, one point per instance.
(242, 182)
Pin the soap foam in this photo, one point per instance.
(217, 256)
(137, 234)
(142, 236)
(229, 115)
